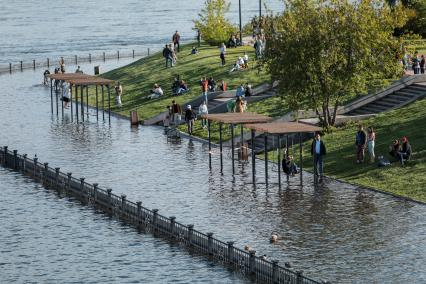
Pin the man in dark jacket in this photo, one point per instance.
(360, 142)
(166, 55)
(318, 151)
(189, 118)
(405, 151)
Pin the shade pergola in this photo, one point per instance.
(83, 81)
(279, 128)
(232, 118)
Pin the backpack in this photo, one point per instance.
(383, 162)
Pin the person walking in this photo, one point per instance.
(166, 55)
(318, 151)
(223, 53)
(371, 138)
(189, 118)
(176, 112)
(360, 142)
(203, 110)
(118, 93)
(176, 41)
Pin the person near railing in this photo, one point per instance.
(176, 112)
(318, 150)
(203, 110)
(45, 80)
(190, 116)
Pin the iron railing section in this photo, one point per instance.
(259, 269)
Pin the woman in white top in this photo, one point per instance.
(202, 111)
(65, 94)
(223, 53)
(118, 93)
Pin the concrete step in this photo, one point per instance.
(405, 93)
(368, 109)
(401, 98)
(390, 100)
(386, 103)
(376, 105)
(421, 88)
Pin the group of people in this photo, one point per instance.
(240, 104)
(179, 87)
(170, 50)
(417, 62)
(241, 63)
(400, 150)
(174, 115)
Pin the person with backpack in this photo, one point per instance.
(189, 118)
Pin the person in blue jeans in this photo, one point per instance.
(318, 151)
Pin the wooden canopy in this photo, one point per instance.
(90, 81)
(283, 127)
(237, 118)
(68, 76)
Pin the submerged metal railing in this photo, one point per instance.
(246, 262)
(72, 60)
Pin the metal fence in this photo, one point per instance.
(246, 262)
(74, 60)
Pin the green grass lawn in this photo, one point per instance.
(139, 77)
(409, 180)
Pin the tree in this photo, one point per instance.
(322, 53)
(214, 27)
(416, 12)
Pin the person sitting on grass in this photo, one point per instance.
(405, 151)
(183, 87)
(239, 65)
(394, 149)
(175, 86)
(156, 92)
(248, 90)
(194, 50)
(212, 84)
(232, 42)
(245, 59)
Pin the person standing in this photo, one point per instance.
(176, 41)
(223, 53)
(318, 151)
(118, 93)
(171, 55)
(205, 88)
(45, 79)
(166, 55)
(371, 138)
(360, 142)
(189, 118)
(422, 65)
(203, 110)
(176, 112)
(239, 105)
(240, 91)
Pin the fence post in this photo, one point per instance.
(275, 271)
(109, 190)
(5, 155)
(172, 225)
(48, 63)
(95, 191)
(46, 169)
(82, 185)
(21, 66)
(133, 53)
(148, 51)
(154, 218)
(139, 208)
(24, 166)
(90, 58)
(118, 54)
(123, 204)
(299, 279)
(15, 159)
(231, 252)
(35, 166)
(76, 59)
(57, 177)
(10, 68)
(104, 56)
(34, 64)
(210, 243)
(190, 233)
(252, 261)
(69, 181)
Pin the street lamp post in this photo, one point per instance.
(260, 9)
(241, 27)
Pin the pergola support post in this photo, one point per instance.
(62, 100)
(103, 103)
(221, 148)
(109, 104)
(87, 101)
(76, 102)
(82, 100)
(266, 158)
(253, 156)
(97, 104)
(232, 149)
(51, 95)
(301, 158)
(210, 144)
(72, 119)
(287, 155)
(56, 92)
(279, 161)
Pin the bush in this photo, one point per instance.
(213, 25)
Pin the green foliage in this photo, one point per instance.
(417, 23)
(212, 23)
(324, 53)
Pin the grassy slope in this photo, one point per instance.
(409, 180)
(139, 77)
